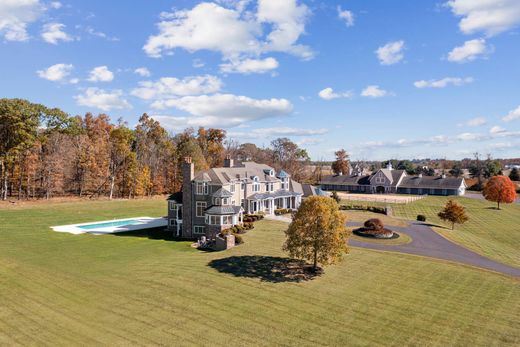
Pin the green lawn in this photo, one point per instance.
(60, 289)
(490, 232)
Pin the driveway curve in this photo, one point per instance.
(428, 243)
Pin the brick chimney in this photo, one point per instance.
(228, 162)
(188, 173)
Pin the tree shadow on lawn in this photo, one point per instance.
(266, 268)
(431, 225)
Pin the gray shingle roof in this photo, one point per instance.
(278, 194)
(222, 193)
(244, 171)
(431, 182)
(221, 210)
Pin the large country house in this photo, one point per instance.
(394, 181)
(216, 199)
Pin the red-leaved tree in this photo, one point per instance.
(500, 189)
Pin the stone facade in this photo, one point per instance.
(216, 199)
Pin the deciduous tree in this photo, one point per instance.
(342, 164)
(317, 232)
(500, 189)
(454, 213)
(514, 175)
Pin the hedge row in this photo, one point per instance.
(374, 209)
(281, 211)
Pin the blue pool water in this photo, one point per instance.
(109, 224)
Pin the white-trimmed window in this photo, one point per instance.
(173, 222)
(199, 229)
(269, 187)
(201, 188)
(243, 186)
(173, 206)
(232, 188)
(200, 207)
(213, 220)
(227, 220)
(285, 183)
(256, 187)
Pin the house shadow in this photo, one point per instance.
(160, 233)
(266, 268)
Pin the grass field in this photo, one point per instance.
(62, 290)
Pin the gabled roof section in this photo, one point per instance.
(224, 175)
(282, 174)
(222, 193)
(223, 210)
(202, 177)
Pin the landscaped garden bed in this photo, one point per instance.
(374, 228)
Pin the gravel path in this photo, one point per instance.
(426, 242)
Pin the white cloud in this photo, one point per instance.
(497, 130)
(391, 53)
(374, 91)
(277, 132)
(488, 16)
(208, 25)
(469, 137)
(249, 66)
(347, 16)
(100, 34)
(53, 32)
(170, 87)
(104, 100)
(197, 63)
(225, 109)
(101, 74)
(56, 73)
(442, 83)
(512, 115)
(475, 122)
(16, 15)
(143, 72)
(329, 94)
(500, 145)
(56, 5)
(469, 51)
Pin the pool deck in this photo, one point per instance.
(142, 223)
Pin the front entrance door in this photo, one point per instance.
(380, 189)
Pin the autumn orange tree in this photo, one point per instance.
(454, 213)
(500, 189)
(317, 232)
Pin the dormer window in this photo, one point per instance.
(201, 188)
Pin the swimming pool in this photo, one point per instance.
(118, 223)
(113, 226)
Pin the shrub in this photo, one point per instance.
(238, 239)
(248, 226)
(281, 211)
(421, 218)
(374, 224)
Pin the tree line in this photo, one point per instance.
(45, 153)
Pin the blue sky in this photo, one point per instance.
(381, 79)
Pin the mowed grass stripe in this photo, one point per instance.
(149, 292)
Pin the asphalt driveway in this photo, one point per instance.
(428, 243)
